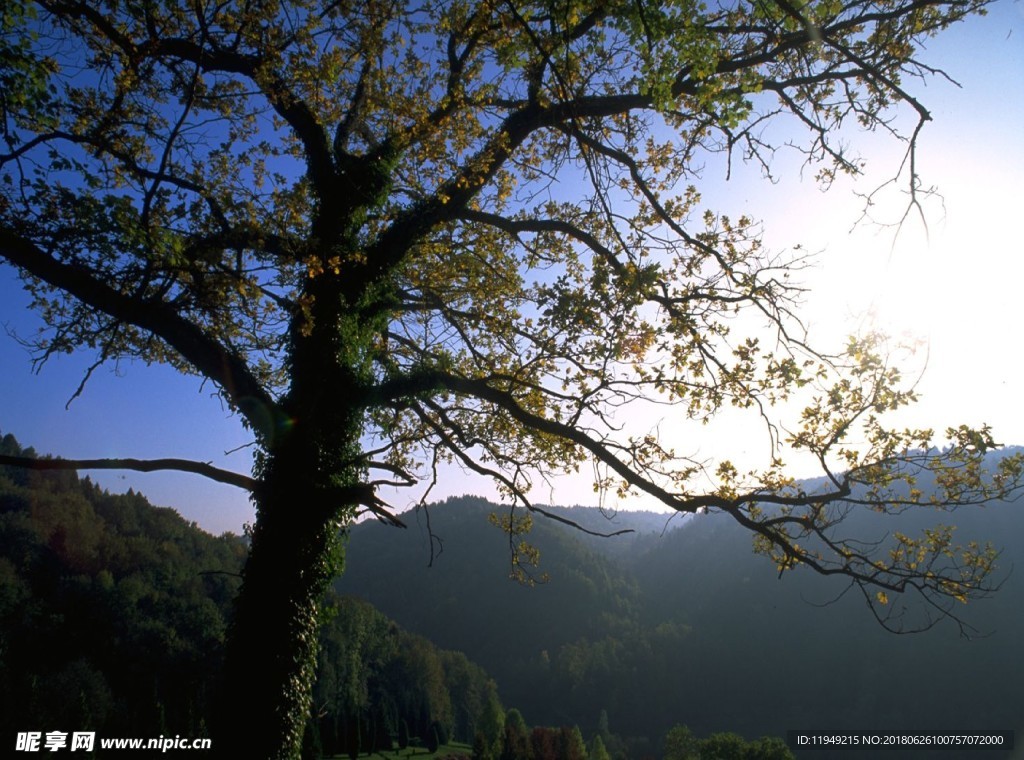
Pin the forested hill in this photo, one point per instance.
(112, 611)
(465, 596)
(113, 614)
(687, 625)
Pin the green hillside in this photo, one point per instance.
(112, 611)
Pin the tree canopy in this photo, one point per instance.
(398, 235)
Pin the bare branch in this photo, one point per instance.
(140, 465)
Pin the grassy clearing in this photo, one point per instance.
(454, 748)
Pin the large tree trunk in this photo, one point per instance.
(311, 454)
(272, 648)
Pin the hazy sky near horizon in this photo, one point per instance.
(953, 282)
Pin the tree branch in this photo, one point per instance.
(140, 465)
(208, 356)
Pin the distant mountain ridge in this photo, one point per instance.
(685, 625)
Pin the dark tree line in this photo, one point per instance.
(379, 684)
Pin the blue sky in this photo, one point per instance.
(956, 287)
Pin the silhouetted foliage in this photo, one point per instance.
(681, 744)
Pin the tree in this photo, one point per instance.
(544, 744)
(433, 741)
(598, 750)
(681, 744)
(724, 746)
(347, 217)
(570, 743)
(491, 721)
(515, 742)
(768, 748)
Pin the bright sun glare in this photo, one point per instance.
(951, 287)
